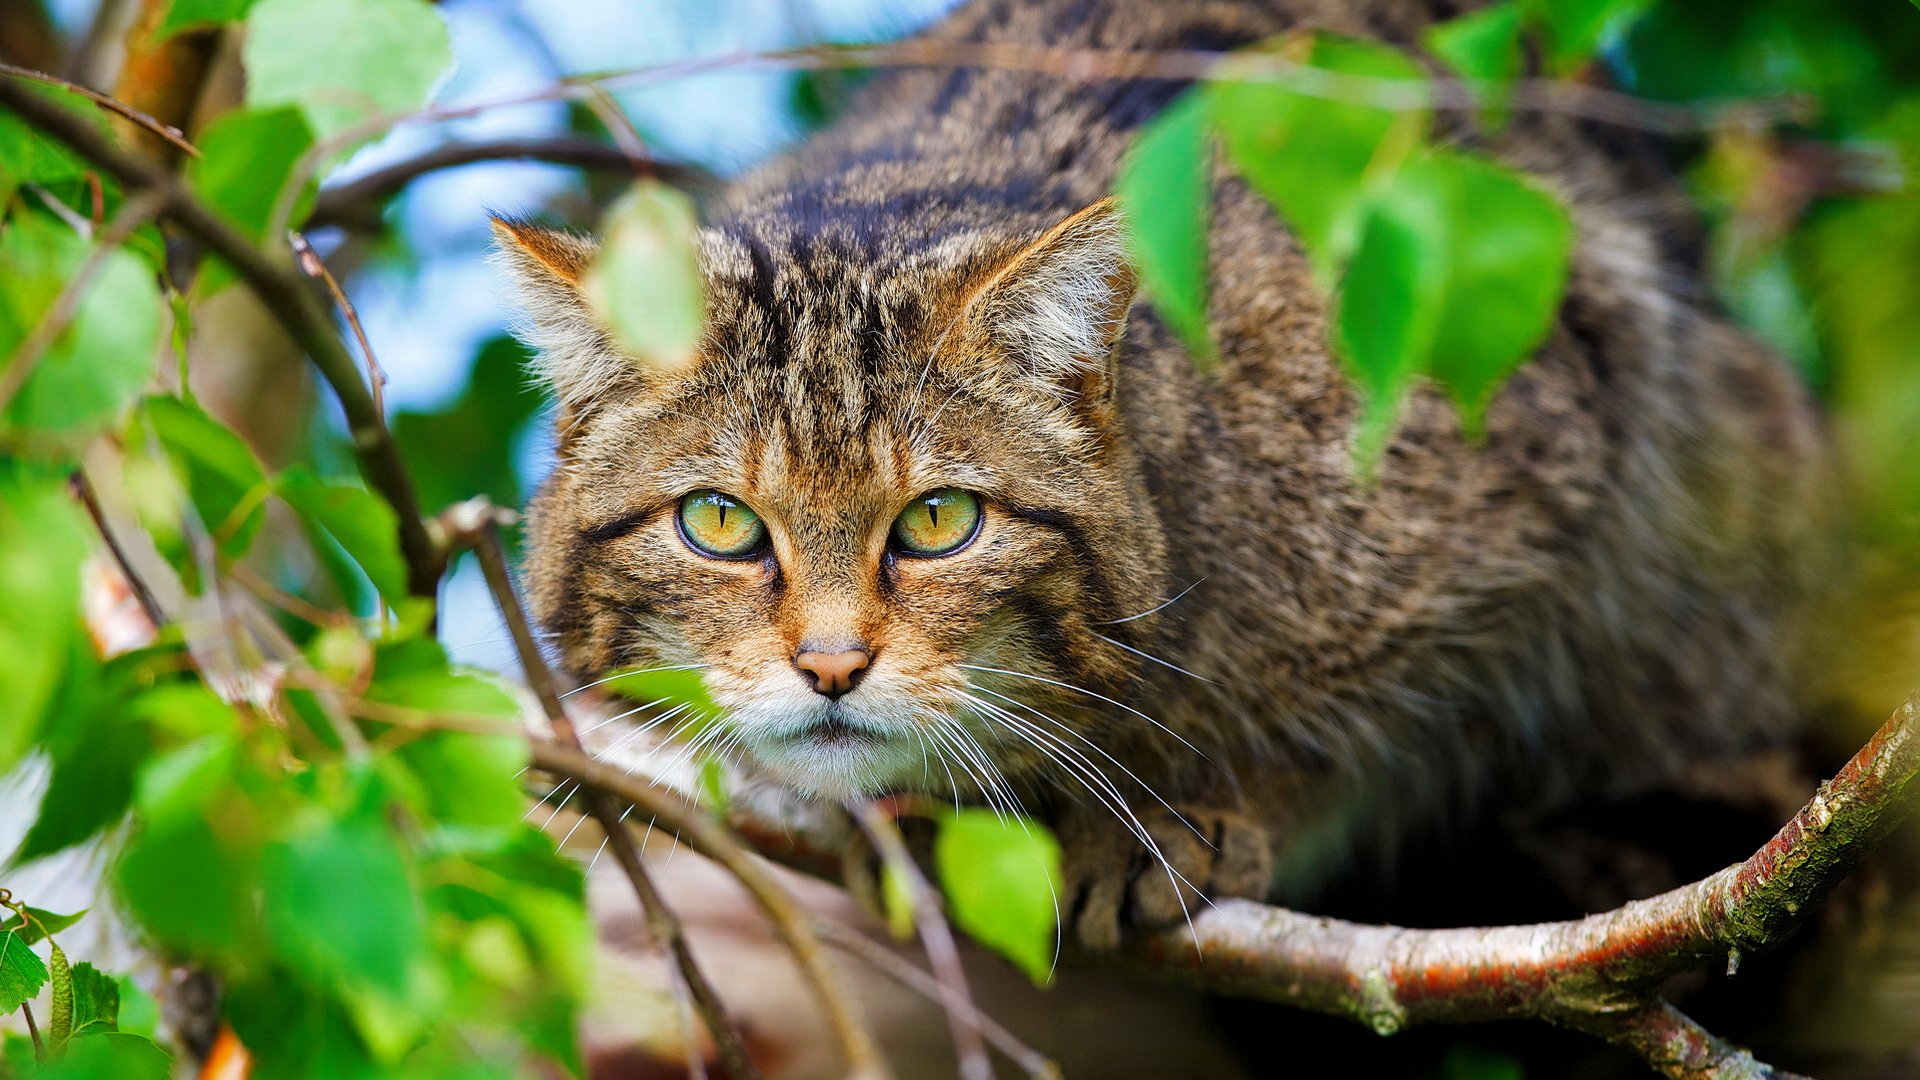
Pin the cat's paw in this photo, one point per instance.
(1116, 885)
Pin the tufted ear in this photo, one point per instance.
(572, 351)
(1057, 309)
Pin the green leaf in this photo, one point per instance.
(43, 923)
(26, 156)
(22, 973)
(1316, 158)
(468, 779)
(664, 686)
(107, 352)
(1388, 308)
(185, 14)
(497, 403)
(359, 521)
(42, 544)
(223, 479)
(645, 284)
(1002, 880)
(344, 61)
(711, 785)
(181, 795)
(340, 907)
(137, 1012)
(896, 899)
(1166, 186)
(110, 1056)
(1483, 46)
(96, 1001)
(246, 158)
(1509, 248)
(92, 783)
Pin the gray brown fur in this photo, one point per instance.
(1602, 593)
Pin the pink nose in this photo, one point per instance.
(833, 673)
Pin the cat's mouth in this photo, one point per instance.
(834, 731)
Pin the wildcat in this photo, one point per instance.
(942, 506)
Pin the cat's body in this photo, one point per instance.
(1598, 595)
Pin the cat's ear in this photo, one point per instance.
(1058, 307)
(572, 351)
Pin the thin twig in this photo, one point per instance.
(315, 267)
(935, 936)
(142, 592)
(283, 290)
(476, 520)
(355, 204)
(33, 1031)
(908, 974)
(137, 211)
(173, 136)
(712, 840)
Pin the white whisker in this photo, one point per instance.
(1162, 605)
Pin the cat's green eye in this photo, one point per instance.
(720, 525)
(938, 523)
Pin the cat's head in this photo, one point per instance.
(887, 511)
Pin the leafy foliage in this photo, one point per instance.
(1001, 875)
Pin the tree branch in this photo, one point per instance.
(1599, 974)
(165, 132)
(356, 204)
(285, 293)
(477, 521)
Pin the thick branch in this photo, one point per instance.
(356, 204)
(286, 294)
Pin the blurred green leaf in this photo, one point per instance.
(468, 779)
(107, 351)
(1388, 308)
(497, 403)
(110, 1056)
(1509, 246)
(359, 521)
(223, 479)
(1316, 158)
(22, 972)
(711, 785)
(139, 1014)
(42, 543)
(645, 284)
(183, 14)
(246, 158)
(1166, 186)
(189, 882)
(26, 156)
(1001, 875)
(43, 923)
(1483, 46)
(344, 61)
(662, 686)
(341, 909)
(91, 787)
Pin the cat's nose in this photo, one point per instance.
(833, 673)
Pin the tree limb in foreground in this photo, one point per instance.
(1598, 974)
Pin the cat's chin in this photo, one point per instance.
(837, 760)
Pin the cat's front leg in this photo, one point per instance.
(1117, 884)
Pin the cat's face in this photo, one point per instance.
(884, 516)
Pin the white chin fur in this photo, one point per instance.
(882, 754)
